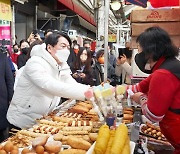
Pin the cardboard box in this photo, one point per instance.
(175, 39)
(155, 15)
(173, 28)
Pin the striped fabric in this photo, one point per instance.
(148, 114)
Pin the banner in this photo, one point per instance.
(142, 3)
(5, 10)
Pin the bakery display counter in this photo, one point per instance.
(70, 128)
(105, 124)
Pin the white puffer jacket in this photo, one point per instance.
(41, 81)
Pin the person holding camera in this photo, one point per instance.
(123, 67)
(81, 68)
(33, 37)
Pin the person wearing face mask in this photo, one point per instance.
(159, 94)
(81, 68)
(15, 53)
(45, 79)
(76, 48)
(22, 58)
(99, 68)
(123, 67)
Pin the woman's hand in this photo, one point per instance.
(136, 97)
(31, 36)
(121, 60)
(37, 37)
(82, 75)
(75, 75)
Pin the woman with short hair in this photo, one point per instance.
(159, 94)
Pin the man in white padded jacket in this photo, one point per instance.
(46, 77)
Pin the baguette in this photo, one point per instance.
(79, 109)
(78, 143)
(73, 151)
(93, 136)
(75, 132)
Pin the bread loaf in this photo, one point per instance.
(53, 146)
(78, 143)
(79, 109)
(39, 141)
(73, 151)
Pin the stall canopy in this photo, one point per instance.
(73, 5)
(155, 3)
(164, 3)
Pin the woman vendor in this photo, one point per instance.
(159, 94)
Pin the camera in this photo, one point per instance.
(79, 72)
(121, 51)
(35, 33)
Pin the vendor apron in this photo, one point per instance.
(170, 127)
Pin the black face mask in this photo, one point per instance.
(25, 50)
(141, 61)
(15, 50)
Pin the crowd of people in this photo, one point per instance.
(51, 69)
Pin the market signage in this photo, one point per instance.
(5, 10)
(5, 33)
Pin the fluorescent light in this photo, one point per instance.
(21, 1)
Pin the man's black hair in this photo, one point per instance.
(52, 39)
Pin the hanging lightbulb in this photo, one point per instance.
(115, 5)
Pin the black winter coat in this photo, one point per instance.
(21, 60)
(88, 80)
(99, 73)
(6, 89)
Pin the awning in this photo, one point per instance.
(82, 12)
(5, 10)
(164, 3)
(80, 21)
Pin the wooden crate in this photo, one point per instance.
(155, 15)
(173, 28)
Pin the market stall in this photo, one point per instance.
(107, 122)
